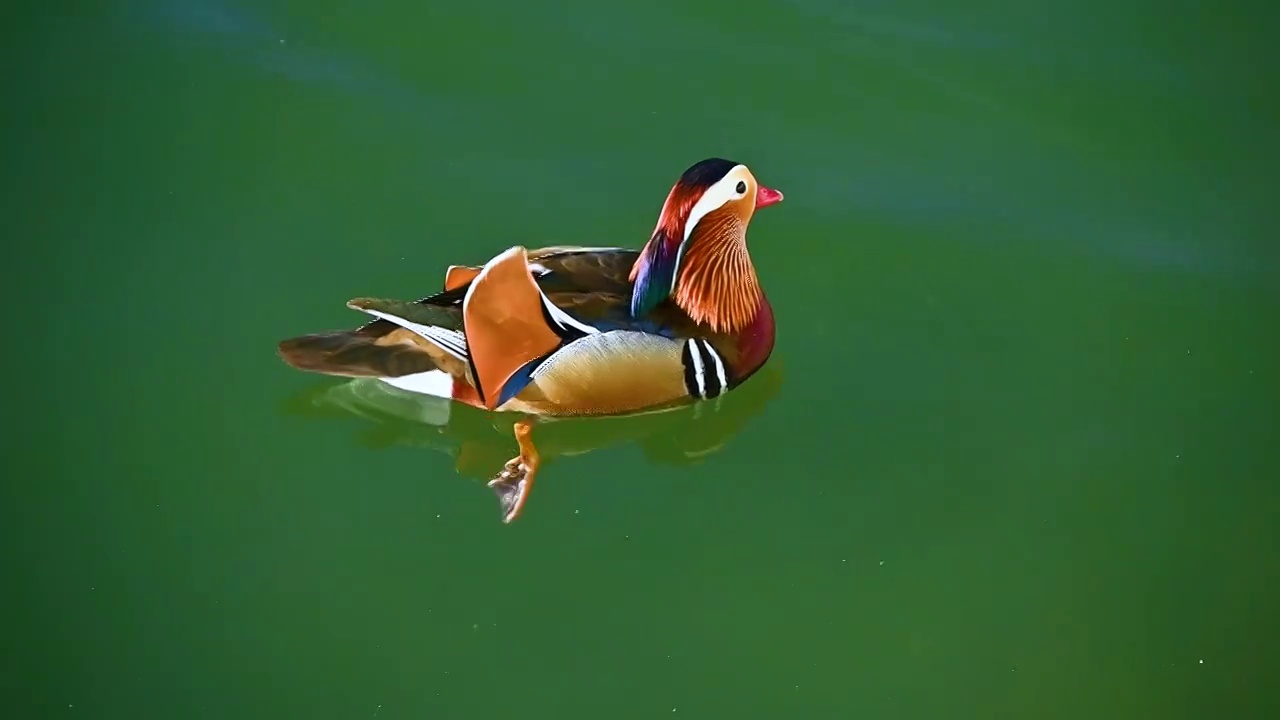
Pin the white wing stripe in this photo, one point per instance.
(451, 341)
(719, 363)
(564, 319)
(699, 369)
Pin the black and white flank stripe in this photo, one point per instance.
(704, 373)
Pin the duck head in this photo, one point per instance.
(697, 254)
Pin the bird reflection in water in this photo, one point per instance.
(481, 442)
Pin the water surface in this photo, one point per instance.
(1014, 456)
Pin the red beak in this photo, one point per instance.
(767, 196)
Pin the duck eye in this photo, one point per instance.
(742, 188)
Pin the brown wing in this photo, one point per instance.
(566, 267)
(353, 353)
(574, 269)
(381, 348)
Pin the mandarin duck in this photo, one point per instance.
(579, 331)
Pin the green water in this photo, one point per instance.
(1014, 455)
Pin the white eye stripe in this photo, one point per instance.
(715, 197)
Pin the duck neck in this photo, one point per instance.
(716, 283)
(755, 343)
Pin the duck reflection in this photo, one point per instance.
(481, 442)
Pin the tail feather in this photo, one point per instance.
(357, 353)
